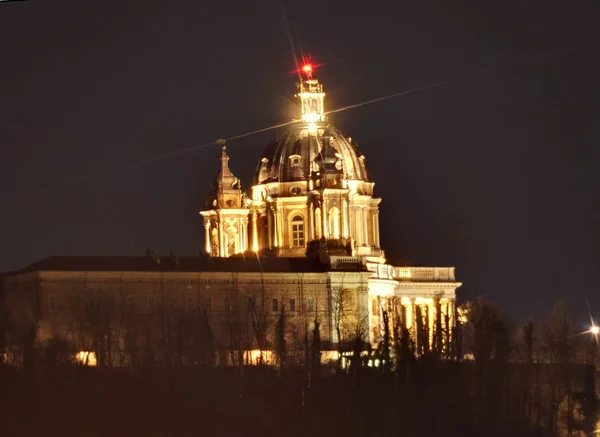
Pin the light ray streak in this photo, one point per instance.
(448, 81)
(289, 36)
(144, 162)
(157, 158)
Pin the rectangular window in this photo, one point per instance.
(151, 303)
(171, 302)
(251, 303)
(190, 303)
(374, 309)
(297, 233)
(226, 304)
(292, 305)
(275, 305)
(311, 304)
(52, 302)
(209, 304)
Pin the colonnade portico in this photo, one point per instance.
(429, 297)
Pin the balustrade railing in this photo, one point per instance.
(424, 273)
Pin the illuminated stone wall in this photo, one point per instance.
(57, 301)
(348, 301)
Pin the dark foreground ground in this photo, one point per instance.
(451, 400)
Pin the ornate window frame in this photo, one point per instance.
(297, 229)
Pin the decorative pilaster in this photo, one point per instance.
(254, 231)
(272, 238)
(310, 222)
(344, 217)
(358, 224)
(207, 236)
(352, 220)
(377, 237)
(280, 228)
(221, 239)
(365, 225)
(324, 219)
(244, 236)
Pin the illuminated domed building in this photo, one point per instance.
(305, 241)
(312, 196)
(311, 191)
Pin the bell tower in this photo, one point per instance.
(226, 214)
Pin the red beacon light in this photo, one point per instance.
(307, 68)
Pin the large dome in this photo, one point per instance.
(304, 147)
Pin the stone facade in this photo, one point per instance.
(306, 239)
(149, 298)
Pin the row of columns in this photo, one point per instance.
(359, 222)
(240, 224)
(447, 307)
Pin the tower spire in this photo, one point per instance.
(226, 216)
(311, 95)
(225, 180)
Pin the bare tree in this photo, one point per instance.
(422, 329)
(528, 339)
(280, 346)
(587, 403)
(438, 333)
(4, 329)
(359, 336)
(386, 342)
(98, 314)
(238, 333)
(341, 310)
(491, 352)
(315, 353)
(560, 349)
(260, 319)
(204, 341)
(491, 331)
(404, 347)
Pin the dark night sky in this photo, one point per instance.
(495, 175)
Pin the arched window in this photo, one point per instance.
(231, 242)
(318, 222)
(297, 231)
(214, 243)
(295, 160)
(334, 222)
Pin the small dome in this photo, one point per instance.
(305, 147)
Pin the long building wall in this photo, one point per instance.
(57, 302)
(346, 303)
